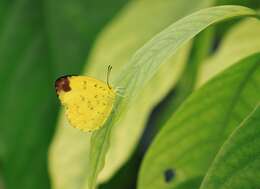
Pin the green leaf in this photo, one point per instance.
(167, 12)
(189, 141)
(247, 31)
(237, 164)
(129, 31)
(186, 83)
(145, 64)
(1, 178)
(39, 40)
(190, 183)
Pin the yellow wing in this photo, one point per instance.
(88, 101)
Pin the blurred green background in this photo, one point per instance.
(40, 41)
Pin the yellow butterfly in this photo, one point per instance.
(88, 102)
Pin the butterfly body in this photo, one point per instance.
(88, 101)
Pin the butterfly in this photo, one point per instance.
(88, 102)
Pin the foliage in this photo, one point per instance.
(190, 77)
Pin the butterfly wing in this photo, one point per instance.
(88, 101)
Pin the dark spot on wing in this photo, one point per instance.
(169, 174)
(82, 98)
(62, 84)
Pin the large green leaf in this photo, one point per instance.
(249, 42)
(237, 164)
(145, 64)
(190, 140)
(167, 12)
(39, 40)
(129, 31)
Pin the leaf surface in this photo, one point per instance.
(237, 164)
(144, 65)
(189, 141)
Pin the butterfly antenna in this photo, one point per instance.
(109, 68)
